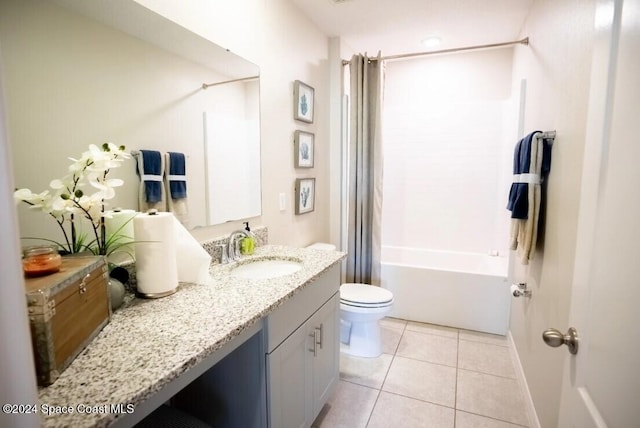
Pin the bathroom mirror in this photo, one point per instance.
(87, 72)
(231, 120)
(232, 152)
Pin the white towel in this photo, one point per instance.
(524, 232)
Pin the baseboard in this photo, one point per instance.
(522, 380)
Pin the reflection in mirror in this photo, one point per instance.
(142, 88)
(232, 151)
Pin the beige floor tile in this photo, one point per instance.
(492, 396)
(485, 358)
(395, 323)
(391, 331)
(477, 336)
(468, 420)
(432, 329)
(434, 383)
(393, 410)
(429, 347)
(349, 407)
(365, 371)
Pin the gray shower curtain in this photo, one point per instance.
(365, 170)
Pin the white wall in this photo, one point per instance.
(447, 121)
(557, 67)
(16, 355)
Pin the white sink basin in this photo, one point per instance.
(265, 269)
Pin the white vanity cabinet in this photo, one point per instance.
(302, 360)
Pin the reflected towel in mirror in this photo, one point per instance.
(176, 182)
(150, 168)
(176, 168)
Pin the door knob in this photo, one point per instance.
(555, 338)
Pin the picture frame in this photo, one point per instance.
(304, 101)
(304, 149)
(305, 195)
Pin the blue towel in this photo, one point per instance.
(152, 161)
(518, 195)
(177, 175)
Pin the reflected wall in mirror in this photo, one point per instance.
(78, 73)
(232, 152)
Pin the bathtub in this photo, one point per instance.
(463, 290)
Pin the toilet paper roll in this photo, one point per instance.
(156, 267)
(120, 224)
(193, 261)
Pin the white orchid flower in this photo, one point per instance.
(61, 205)
(68, 196)
(92, 206)
(79, 165)
(57, 213)
(61, 184)
(118, 151)
(21, 195)
(103, 165)
(105, 186)
(36, 200)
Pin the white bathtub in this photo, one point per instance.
(463, 290)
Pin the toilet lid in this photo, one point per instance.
(364, 295)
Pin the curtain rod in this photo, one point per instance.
(524, 41)
(206, 85)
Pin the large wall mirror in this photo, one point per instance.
(87, 72)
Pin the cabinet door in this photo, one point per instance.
(326, 364)
(289, 381)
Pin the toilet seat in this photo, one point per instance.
(365, 296)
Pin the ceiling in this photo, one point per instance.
(399, 26)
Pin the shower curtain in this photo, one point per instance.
(365, 170)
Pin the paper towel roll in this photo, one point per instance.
(156, 267)
(193, 261)
(120, 223)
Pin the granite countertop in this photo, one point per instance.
(149, 343)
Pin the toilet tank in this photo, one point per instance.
(322, 246)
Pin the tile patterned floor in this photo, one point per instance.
(428, 376)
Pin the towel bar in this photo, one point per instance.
(548, 135)
(137, 153)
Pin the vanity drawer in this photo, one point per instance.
(66, 311)
(295, 311)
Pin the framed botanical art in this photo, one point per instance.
(303, 97)
(305, 195)
(303, 143)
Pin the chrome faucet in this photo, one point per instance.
(233, 248)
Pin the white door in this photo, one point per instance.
(601, 386)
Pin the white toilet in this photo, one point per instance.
(362, 306)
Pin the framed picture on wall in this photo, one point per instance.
(303, 96)
(303, 143)
(305, 195)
